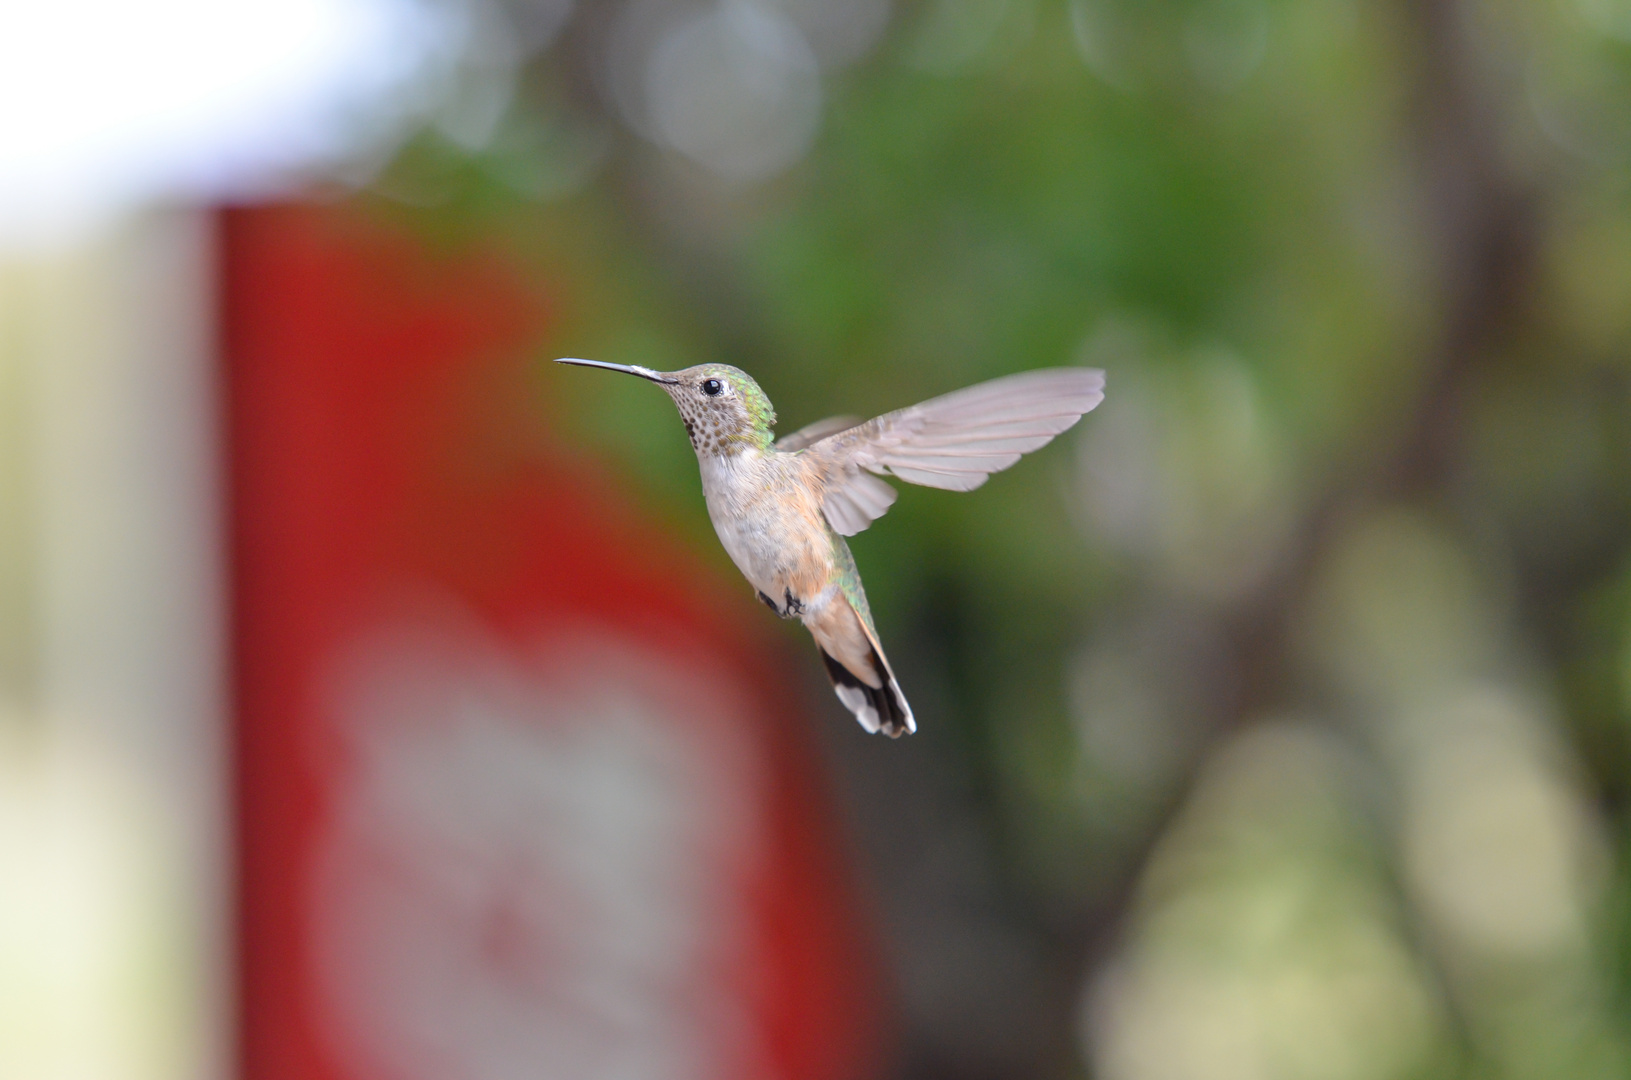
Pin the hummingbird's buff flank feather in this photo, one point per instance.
(782, 508)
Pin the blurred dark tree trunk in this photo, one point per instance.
(1481, 219)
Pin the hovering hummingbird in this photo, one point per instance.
(782, 507)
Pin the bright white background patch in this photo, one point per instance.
(108, 102)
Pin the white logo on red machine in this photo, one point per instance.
(537, 865)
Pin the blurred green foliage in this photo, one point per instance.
(1288, 696)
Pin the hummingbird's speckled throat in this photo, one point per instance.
(783, 507)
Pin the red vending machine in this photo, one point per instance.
(519, 795)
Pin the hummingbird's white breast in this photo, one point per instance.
(768, 518)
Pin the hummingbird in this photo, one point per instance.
(782, 507)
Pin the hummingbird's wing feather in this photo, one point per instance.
(815, 432)
(952, 442)
(856, 502)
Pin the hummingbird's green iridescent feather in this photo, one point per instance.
(782, 510)
(761, 414)
(848, 579)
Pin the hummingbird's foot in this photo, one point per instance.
(794, 606)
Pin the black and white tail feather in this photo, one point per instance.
(878, 709)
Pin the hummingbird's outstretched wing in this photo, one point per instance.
(952, 442)
(815, 432)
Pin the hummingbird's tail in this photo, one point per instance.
(860, 674)
(878, 708)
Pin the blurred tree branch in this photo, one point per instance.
(1482, 219)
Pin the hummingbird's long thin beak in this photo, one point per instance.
(627, 369)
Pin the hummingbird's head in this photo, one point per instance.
(724, 410)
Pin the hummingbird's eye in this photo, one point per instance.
(712, 387)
